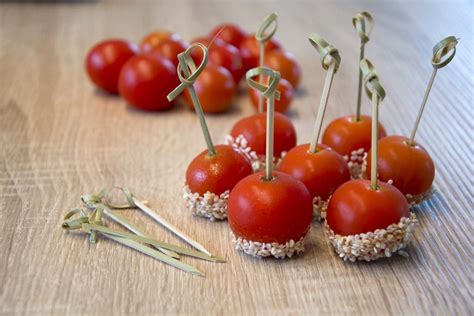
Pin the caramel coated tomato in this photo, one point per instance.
(229, 33)
(146, 80)
(250, 51)
(270, 211)
(345, 135)
(286, 96)
(286, 64)
(170, 48)
(105, 61)
(409, 167)
(215, 89)
(253, 128)
(355, 208)
(322, 172)
(151, 40)
(217, 173)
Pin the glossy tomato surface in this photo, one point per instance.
(250, 51)
(146, 80)
(230, 33)
(217, 173)
(215, 89)
(410, 167)
(170, 48)
(105, 61)
(345, 135)
(152, 39)
(355, 208)
(270, 211)
(286, 64)
(286, 96)
(253, 128)
(322, 172)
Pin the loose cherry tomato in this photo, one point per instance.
(229, 33)
(253, 128)
(146, 80)
(286, 64)
(270, 211)
(215, 89)
(286, 96)
(322, 172)
(250, 51)
(154, 38)
(355, 208)
(345, 135)
(170, 48)
(409, 167)
(105, 60)
(218, 173)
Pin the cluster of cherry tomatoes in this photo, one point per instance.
(144, 75)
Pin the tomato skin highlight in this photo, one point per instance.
(250, 51)
(345, 135)
(409, 167)
(230, 33)
(270, 211)
(104, 62)
(151, 40)
(253, 128)
(169, 49)
(215, 89)
(286, 96)
(146, 80)
(322, 172)
(286, 64)
(217, 173)
(355, 208)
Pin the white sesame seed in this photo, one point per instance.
(210, 205)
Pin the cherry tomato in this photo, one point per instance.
(217, 173)
(286, 96)
(170, 48)
(409, 167)
(253, 128)
(270, 211)
(222, 54)
(355, 208)
(105, 60)
(345, 135)
(286, 64)
(215, 89)
(250, 51)
(322, 172)
(154, 38)
(229, 33)
(146, 80)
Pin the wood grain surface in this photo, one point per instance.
(61, 138)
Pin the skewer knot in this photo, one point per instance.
(363, 23)
(371, 80)
(274, 79)
(261, 36)
(446, 48)
(328, 52)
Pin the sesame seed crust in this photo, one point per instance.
(209, 205)
(261, 249)
(357, 162)
(374, 245)
(320, 208)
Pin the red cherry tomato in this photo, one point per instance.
(229, 33)
(286, 96)
(215, 89)
(253, 128)
(217, 173)
(355, 208)
(250, 51)
(410, 167)
(104, 62)
(286, 64)
(170, 48)
(345, 135)
(322, 172)
(270, 211)
(152, 39)
(222, 54)
(146, 80)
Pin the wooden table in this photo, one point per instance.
(61, 138)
